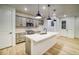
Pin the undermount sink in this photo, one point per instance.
(30, 32)
(43, 33)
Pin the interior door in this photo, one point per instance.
(5, 27)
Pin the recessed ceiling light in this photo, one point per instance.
(25, 9)
(54, 14)
(65, 15)
(44, 7)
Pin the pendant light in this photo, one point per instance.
(48, 13)
(38, 15)
(54, 20)
(54, 14)
(48, 18)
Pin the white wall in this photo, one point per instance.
(77, 27)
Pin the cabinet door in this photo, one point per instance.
(18, 21)
(76, 27)
(69, 30)
(70, 27)
(7, 26)
(28, 46)
(24, 22)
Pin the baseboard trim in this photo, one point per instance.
(67, 37)
(5, 48)
(20, 42)
(76, 38)
(70, 38)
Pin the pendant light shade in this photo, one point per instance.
(54, 20)
(48, 18)
(38, 15)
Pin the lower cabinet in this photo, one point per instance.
(28, 46)
(20, 37)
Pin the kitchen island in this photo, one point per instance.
(37, 44)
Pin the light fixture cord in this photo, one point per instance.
(38, 5)
(48, 10)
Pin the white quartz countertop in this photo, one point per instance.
(21, 30)
(37, 37)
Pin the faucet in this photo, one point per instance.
(45, 29)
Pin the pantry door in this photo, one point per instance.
(7, 26)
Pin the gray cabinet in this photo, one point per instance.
(23, 21)
(28, 46)
(20, 21)
(20, 37)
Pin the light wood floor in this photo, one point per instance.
(64, 46)
(19, 49)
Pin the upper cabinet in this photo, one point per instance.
(26, 22)
(20, 21)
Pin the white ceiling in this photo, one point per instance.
(61, 9)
